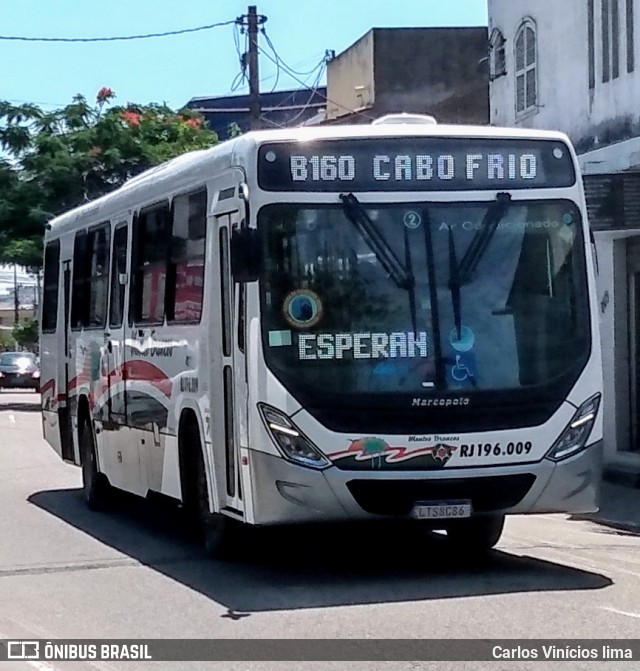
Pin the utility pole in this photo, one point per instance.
(253, 21)
(16, 297)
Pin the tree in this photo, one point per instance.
(26, 332)
(60, 159)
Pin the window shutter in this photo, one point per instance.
(520, 51)
(530, 42)
(520, 92)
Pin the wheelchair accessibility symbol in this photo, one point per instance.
(460, 372)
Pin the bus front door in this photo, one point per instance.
(228, 409)
(64, 410)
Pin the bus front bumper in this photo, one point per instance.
(285, 493)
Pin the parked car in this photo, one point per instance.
(19, 370)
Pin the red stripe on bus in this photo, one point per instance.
(143, 371)
(49, 384)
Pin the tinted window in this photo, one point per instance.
(150, 266)
(90, 278)
(424, 298)
(50, 289)
(186, 271)
(13, 358)
(99, 276)
(80, 299)
(119, 268)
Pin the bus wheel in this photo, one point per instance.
(95, 485)
(217, 532)
(477, 534)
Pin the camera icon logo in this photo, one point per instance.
(23, 650)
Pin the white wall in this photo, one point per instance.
(565, 101)
(350, 80)
(605, 115)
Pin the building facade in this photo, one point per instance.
(436, 71)
(279, 109)
(574, 66)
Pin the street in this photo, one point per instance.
(66, 572)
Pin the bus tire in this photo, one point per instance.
(95, 486)
(217, 532)
(476, 535)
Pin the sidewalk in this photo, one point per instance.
(619, 507)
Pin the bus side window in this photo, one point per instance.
(90, 277)
(149, 267)
(185, 279)
(119, 268)
(99, 240)
(50, 288)
(79, 291)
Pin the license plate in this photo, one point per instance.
(441, 510)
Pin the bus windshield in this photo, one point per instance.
(423, 298)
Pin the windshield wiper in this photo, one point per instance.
(454, 284)
(483, 237)
(401, 276)
(376, 242)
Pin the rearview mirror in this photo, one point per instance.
(245, 255)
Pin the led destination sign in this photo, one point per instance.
(414, 164)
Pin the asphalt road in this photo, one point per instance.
(68, 573)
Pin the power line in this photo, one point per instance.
(314, 86)
(333, 102)
(288, 68)
(114, 39)
(314, 90)
(241, 77)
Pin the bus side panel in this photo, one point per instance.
(49, 389)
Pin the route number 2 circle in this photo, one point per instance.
(412, 219)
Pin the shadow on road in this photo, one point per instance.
(309, 567)
(19, 400)
(19, 407)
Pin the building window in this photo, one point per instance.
(631, 61)
(497, 57)
(526, 68)
(610, 40)
(591, 42)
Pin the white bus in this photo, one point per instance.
(325, 324)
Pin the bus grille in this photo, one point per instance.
(397, 497)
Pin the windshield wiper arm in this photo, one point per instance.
(379, 246)
(454, 284)
(412, 291)
(483, 237)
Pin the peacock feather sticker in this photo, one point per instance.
(379, 453)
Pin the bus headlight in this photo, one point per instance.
(574, 437)
(293, 444)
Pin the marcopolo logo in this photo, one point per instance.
(439, 402)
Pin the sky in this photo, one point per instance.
(176, 68)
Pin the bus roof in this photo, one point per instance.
(226, 155)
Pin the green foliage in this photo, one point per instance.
(6, 339)
(234, 130)
(25, 333)
(60, 159)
